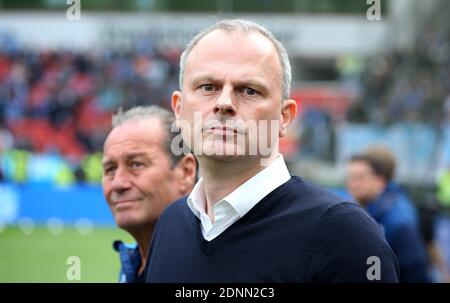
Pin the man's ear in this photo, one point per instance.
(176, 103)
(288, 113)
(186, 172)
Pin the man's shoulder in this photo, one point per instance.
(344, 238)
(341, 234)
(309, 194)
(330, 209)
(176, 215)
(177, 207)
(314, 205)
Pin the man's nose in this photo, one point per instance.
(224, 103)
(121, 180)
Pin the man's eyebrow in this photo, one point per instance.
(136, 154)
(253, 83)
(128, 156)
(258, 84)
(203, 78)
(107, 162)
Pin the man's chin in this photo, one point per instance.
(226, 157)
(223, 158)
(128, 223)
(220, 153)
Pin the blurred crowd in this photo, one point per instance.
(411, 86)
(389, 88)
(56, 105)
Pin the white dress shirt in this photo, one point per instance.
(240, 201)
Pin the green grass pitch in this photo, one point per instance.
(41, 256)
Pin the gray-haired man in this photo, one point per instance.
(141, 176)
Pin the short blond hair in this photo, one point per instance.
(246, 27)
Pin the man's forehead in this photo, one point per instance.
(130, 148)
(143, 132)
(148, 127)
(221, 47)
(132, 142)
(220, 41)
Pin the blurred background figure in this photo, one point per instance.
(141, 177)
(441, 230)
(370, 182)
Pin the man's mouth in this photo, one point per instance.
(123, 202)
(222, 130)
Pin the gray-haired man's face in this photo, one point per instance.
(138, 178)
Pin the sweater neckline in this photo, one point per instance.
(209, 246)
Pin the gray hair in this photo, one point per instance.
(247, 27)
(153, 111)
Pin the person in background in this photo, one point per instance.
(6, 143)
(370, 180)
(441, 226)
(141, 176)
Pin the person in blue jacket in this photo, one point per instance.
(371, 182)
(141, 176)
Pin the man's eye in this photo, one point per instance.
(207, 87)
(249, 91)
(136, 164)
(109, 170)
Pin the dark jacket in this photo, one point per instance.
(398, 217)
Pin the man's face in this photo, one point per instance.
(362, 183)
(138, 180)
(234, 77)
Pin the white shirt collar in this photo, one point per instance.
(247, 195)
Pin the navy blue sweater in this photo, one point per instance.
(297, 233)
